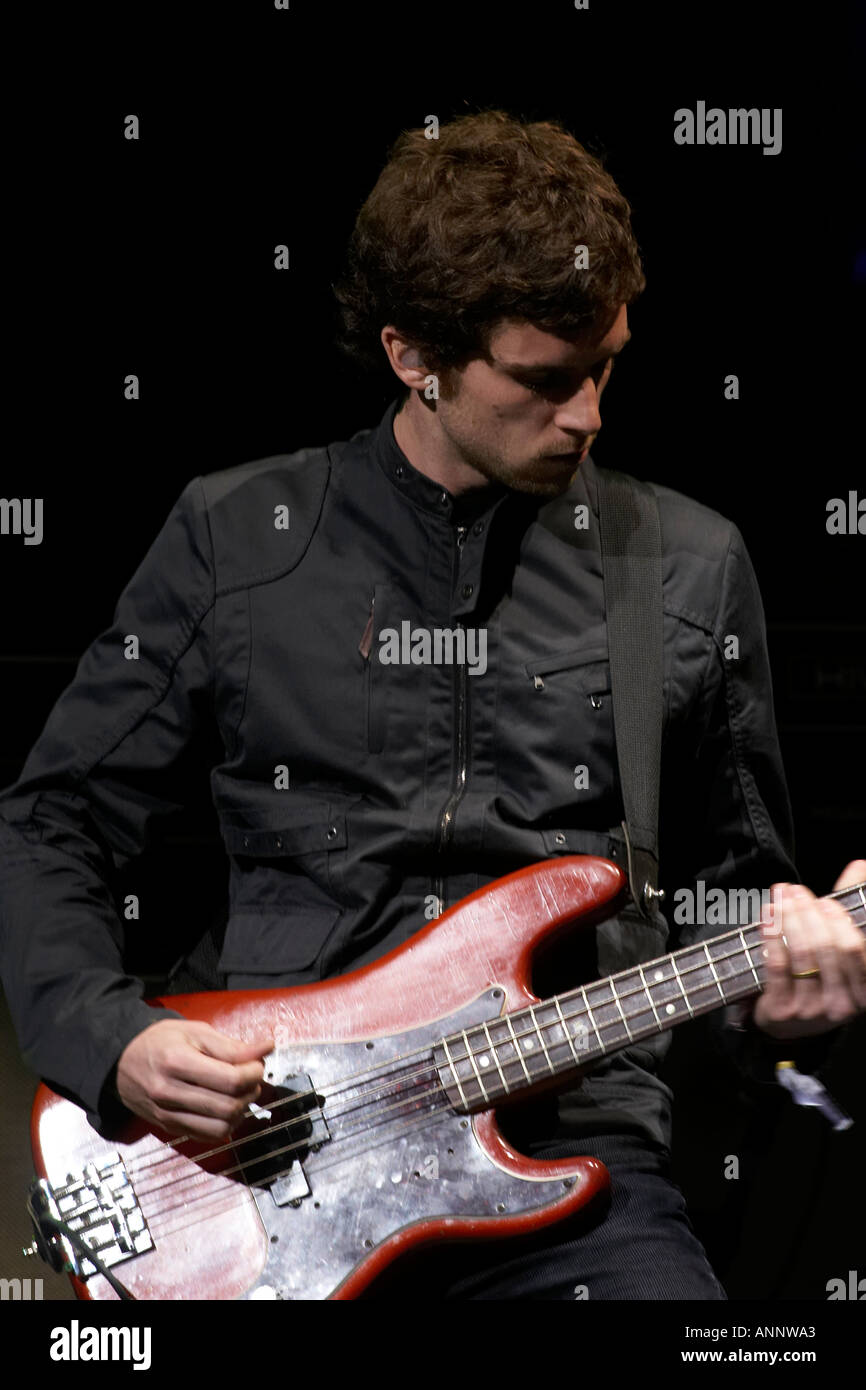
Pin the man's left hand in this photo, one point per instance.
(815, 963)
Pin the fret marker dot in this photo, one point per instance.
(658, 975)
(670, 1009)
(485, 1061)
(528, 1044)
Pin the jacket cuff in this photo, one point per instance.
(755, 1053)
(105, 1110)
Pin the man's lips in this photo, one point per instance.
(577, 457)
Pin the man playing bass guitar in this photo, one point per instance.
(404, 651)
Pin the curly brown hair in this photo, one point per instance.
(478, 226)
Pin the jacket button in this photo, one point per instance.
(399, 470)
(246, 842)
(332, 832)
(468, 590)
(559, 838)
(478, 528)
(595, 701)
(279, 843)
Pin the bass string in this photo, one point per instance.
(427, 1069)
(407, 1102)
(738, 936)
(162, 1228)
(185, 1198)
(364, 1101)
(326, 1161)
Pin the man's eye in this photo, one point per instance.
(549, 385)
(544, 385)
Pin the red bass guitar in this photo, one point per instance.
(376, 1132)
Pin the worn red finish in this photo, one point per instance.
(488, 938)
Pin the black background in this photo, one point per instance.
(261, 127)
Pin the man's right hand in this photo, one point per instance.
(187, 1078)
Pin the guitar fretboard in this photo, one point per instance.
(557, 1037)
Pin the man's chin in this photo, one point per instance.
(548, 478)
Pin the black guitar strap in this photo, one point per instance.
(631, 562)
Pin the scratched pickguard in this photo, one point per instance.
(379, 1167)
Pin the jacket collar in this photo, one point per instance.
(432, 497)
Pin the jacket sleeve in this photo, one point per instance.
(730, 823)
(99, 773)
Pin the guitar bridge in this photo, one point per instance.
(100, 1207)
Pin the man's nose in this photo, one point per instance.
(582, 412)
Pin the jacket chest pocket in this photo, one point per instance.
(564, 711)
(571, 693)
(587, 671)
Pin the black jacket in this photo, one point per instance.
(354, 796)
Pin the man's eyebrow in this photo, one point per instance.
(556, 366)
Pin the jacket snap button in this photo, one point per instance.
(279, 843)
(399, 470)
(332, 832)
(467, 590)
(595, 701)
(478, 528)
(246, 842)
(559, 838)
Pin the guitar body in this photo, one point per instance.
(356, 1154)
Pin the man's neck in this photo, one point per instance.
(418, 433)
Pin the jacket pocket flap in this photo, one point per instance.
(568, 840)
(304, 838)
(591, 665)
(265, 943)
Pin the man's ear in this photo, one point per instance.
(404, 358)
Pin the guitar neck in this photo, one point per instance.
(561, 1035)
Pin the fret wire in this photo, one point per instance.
(619, 1006)
(540, 1034)
(568, 1036)
(662, 1026)
(680, 983)
(536, 1031)
(751, 962)
(744, 948)
(517, 1047)
(454, 1071)
(471, 1055)
(649, 995)
(492, 1047)
(713, 968)
(588, 1007)
(677, 978)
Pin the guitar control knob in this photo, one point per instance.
(30, 1250)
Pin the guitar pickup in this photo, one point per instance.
(287, 1126)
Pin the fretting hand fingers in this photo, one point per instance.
(815, 961)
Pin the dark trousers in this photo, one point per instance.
(639, 1246)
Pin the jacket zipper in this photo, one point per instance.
(461, 702)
